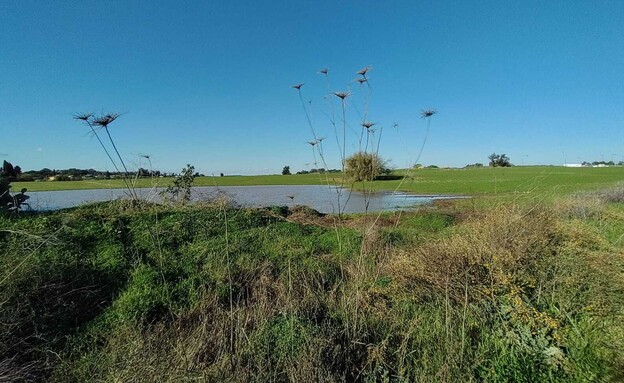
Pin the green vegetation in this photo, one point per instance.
(518, 180)
(363, 166)
(499, 160)
(180, 191)
(136, 292)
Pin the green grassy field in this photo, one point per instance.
(529, 180)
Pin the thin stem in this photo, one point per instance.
(103, 146)
(107, 152)
(306, 113)
(422, 147)
(132, 191)
(344, 134)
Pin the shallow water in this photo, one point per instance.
(322, 198)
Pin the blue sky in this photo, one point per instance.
(209, 83)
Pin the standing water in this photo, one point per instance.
(319, 197)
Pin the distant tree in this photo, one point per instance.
(221, 174)
(286, 171)
(143, 172)
(8, 171)
(499, 160)
(363, 166)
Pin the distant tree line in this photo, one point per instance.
(74, 174)
(607, 163)
(319, 171)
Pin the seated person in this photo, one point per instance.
(20, 198)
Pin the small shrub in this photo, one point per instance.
(364, 166)
(180, 191)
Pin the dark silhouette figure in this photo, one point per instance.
(20, 198)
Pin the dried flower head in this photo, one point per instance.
(341, 95)
(361, 80)
(426, 113)
(146, 156)
(312, 142)
(367, 124)
(320, 139)
(298, 86)
(363, 71)
(324, 71)
(83, 116)
(105, 120)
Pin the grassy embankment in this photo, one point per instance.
(515, 292)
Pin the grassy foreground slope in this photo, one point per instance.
(535, 180)
(114, 292)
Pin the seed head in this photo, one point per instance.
(367, 124)
(426, 113)
(298, 86)
(361, 80)
(312, 142)
(324, 71)
(342, 95)
(105, 120)
(83, 116)
(363, 71)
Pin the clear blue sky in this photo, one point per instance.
(209, 82)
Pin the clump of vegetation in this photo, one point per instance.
(613, 195)
(180, 191)
(475, 165)
(499, 160)
(363, 166)
(286, 171)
